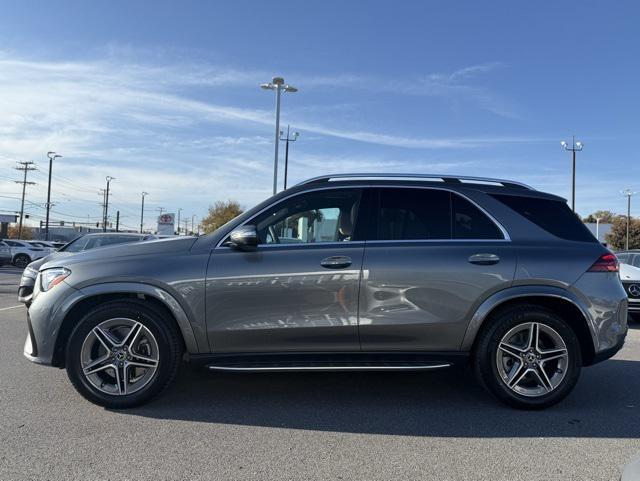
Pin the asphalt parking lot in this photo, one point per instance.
(350, 426)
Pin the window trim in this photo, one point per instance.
(363, 188)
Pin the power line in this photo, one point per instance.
(25, 166)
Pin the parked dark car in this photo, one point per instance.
(340, 273)
(5, 254)
(79, 244)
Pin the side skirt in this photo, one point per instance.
(356, 361)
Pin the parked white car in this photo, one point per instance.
(45, 245)
(630, 277)
(23, 253)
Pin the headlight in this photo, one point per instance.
(52, 277)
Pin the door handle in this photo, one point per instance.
(336, 262)
(484, 259)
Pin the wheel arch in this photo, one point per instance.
(94, 295)
(556, 299)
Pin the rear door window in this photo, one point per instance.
(411, 214)
(431, 214)
(553, 216)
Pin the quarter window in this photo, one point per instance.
(322, 216)
(430, 214)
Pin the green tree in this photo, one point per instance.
(219, 214)
(618, 235)
(605, 216)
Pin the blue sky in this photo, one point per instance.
(164, 96)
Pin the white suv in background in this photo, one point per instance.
(630, 277)
(23, 252)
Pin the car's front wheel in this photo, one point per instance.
(528, 357)
(123, 353)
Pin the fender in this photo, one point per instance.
(510, 293)
(156, 292)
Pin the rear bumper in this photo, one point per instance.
(610, 352)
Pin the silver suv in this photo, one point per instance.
(340, 273)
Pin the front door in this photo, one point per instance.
(434, 255)
(299, 290)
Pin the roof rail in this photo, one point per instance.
(448, 178)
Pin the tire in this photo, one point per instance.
(21, 260)
(502, 356)
(156, 343)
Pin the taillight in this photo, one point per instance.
(606, 263)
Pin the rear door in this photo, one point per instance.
(433, 258)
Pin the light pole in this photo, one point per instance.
(192, 219)
(287, 139)
(575, 147)
(598, 228)
(277, 84)
(51, 155)
(179, 210)
(143, 194)
(628, 193)
(106, 203)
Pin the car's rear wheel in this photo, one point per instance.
(528, 357)
(21, 260)
(123, 353)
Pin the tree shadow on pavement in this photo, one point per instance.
(449, 403)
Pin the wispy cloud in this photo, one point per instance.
(143, 124)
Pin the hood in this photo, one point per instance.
(37, 264)
(131, 249)
(629, 273)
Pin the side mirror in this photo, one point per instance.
(244, 238)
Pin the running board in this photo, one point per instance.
(291, 367)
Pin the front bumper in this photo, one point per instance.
(27, 283)
(44, 322)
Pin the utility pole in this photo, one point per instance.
(25, 167)
(277, 84)
(52, 156)
(179, 210)
(575, 147)
(117, 221)
(186, 224)
(628, 193)
(192, 218)
(287, 139)
(106, 203)
(142, 211)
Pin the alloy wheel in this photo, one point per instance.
(119, 356)
(532, 359)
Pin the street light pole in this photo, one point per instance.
(628, 193)
(179, 210)
(106, 203)
(142, 211)
(277, 84)
(575, 147)
(287, 139)
(51, 155)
